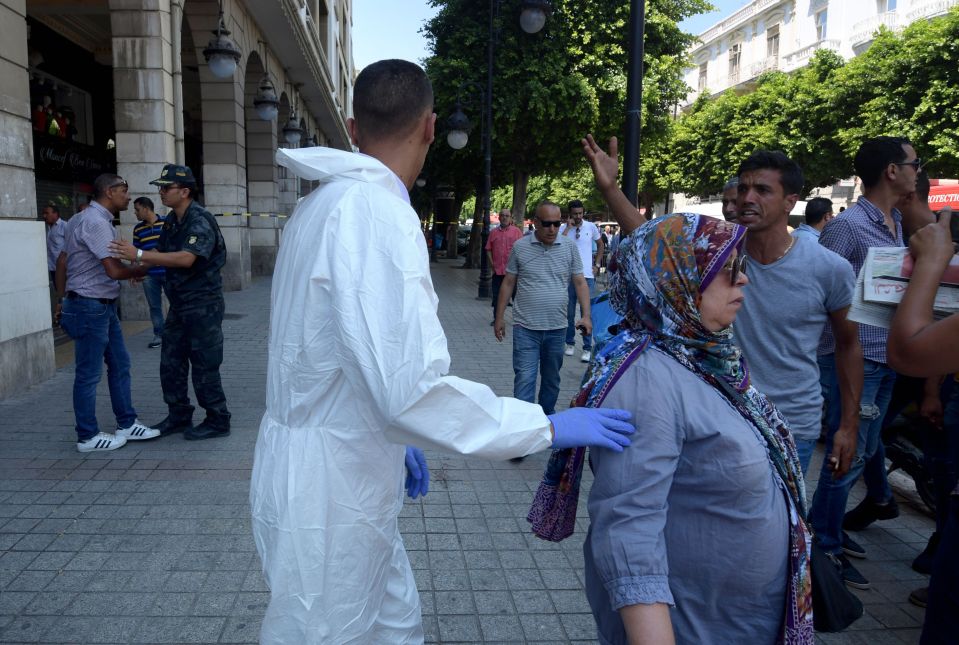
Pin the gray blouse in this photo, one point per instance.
(690, 514)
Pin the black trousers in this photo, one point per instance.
(193, 337)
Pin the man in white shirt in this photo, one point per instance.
(357, 368)
(584, 233)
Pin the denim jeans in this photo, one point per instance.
(942, 613)
(829, 502)
(571, 316)
(153, 289)
(540, 351)
(95, 329)
(805, 449)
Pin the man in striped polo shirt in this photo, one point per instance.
(540, 267)
(146, 235)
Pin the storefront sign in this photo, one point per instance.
(57, 158)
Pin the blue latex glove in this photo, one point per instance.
(600, 427)
(417, 474)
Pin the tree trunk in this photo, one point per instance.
(520, 184)
(476, 239)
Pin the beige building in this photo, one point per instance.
(125, 86)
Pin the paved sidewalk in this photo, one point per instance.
(151, 543)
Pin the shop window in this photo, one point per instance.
(703, 68)
(60, 109)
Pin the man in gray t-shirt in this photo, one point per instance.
(540, 267)
(795, 287)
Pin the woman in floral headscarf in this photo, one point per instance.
(696, 531)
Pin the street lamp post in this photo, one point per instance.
(634, 99)
(532, 19)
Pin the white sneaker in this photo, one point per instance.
(570, 349)
(585, 357)
(101, 442)
(138, 432)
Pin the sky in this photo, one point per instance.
(390, 28)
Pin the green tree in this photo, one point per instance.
(552, 87)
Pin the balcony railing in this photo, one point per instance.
(768, 64)
(800, 57)
(930, 9)
(742, 15)
(864, 30)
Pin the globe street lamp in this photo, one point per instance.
(222, 54)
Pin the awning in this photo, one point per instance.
(942, 196)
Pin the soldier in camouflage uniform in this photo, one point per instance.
(192, 249)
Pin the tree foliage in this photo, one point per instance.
(550, 88)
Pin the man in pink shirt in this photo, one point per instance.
(498, 246)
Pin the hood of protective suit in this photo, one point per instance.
(328, 164)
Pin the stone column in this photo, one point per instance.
(144, 108)
(26, 338)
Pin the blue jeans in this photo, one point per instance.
(829, 502)
(153, 289)
(571, 316)
(942, 612)
(805, 449)
(537, 351)
(95, 329)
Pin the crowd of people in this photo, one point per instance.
(702, 407)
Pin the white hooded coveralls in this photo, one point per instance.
(357, 364)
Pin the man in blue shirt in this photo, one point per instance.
(888, 168)
(818, 214)
(146, 236)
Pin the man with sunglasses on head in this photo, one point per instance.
(87, 277)
(540, 267)
(888, 168)
(193, 252)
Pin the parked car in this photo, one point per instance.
(463, 238)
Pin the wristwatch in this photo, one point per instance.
(139, 256)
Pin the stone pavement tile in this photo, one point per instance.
(102, 629)
(486, 580)
(542, 626)
(33, 542)
(459, 628)
(493, 602)
(27, 629)
(171, 604)
(12, 602)
(30, 581)
(166, 629)
(214, 604)
(49, 603)
(578, 626)
(454, 602)
(110, 604)
(500, 628)
(241, 629)
(532, 602)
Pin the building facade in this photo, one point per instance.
(124, 86)
(766, 35)
(783, 35)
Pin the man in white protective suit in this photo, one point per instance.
(357, 364)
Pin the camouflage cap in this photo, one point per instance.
(174, 174)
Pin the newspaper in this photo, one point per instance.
(882, 282)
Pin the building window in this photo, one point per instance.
(882, 6)
(821, 25)
(772, 41)
(735, 54)
(702, 76)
